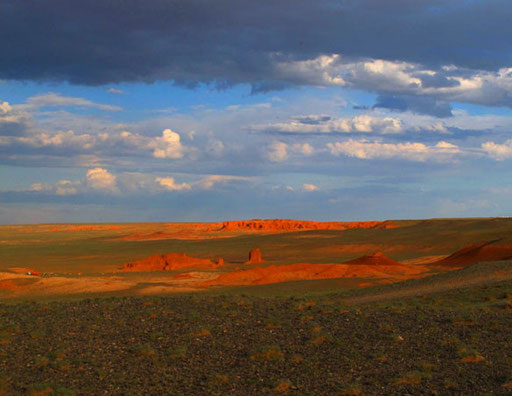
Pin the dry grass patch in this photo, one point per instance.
(203, 333)
(468, 355)
(219, 379)
(412, 378)
(305, 305)
(283, 386)
(349, 390)
(269, 353)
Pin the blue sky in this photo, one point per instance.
(201, 111)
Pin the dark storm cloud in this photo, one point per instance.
(418, 105)
(312, 120)
(229, 41)
(436, 81)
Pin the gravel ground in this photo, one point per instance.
(191, 345)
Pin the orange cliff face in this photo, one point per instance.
(171, 261)
(283, 225)
(222, 230)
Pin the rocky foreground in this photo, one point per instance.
(451, 343)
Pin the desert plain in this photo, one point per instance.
(257, 307)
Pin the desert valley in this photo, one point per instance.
(159, 258)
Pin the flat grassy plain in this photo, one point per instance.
(445, 333)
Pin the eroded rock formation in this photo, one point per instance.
(254, 257)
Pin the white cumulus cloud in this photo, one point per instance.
(278, 152)
(5, 107)
(310, 187)
(170, 184)
(211, 180)
(498, 151)
(100, 179)
(168, 145)
(448, 83)
(413, 151)
(315, 124)
(55, 99)
(304, 148)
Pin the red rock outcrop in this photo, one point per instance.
(170, 261)
(254, 257)
(486, 251)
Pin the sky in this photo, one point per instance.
(200, 110)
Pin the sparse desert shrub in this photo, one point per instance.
(218, 380)
(283, 386)
(4, 387)
(179, 352)
(411, 378)
(268, 353)
(305, 305)
(319, 340)
(396, 338)
(145, 350)
(450, 384)
(40, 390)
(272, 325)
(306, 318)
(297, 358)
(157, 335)
(468, 355)
(202, 333)
(427, 366)
(352, 389)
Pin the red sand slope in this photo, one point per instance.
(472, 254)
(373, 259)
(170, 261)
(370, 266)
